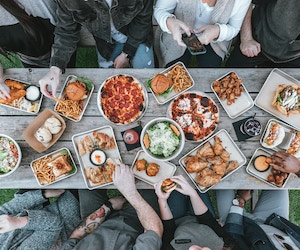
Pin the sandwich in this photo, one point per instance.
(274, 135)
(60, 166)
(160, 84)
(287, 99)
(88, 144)
(168, 185)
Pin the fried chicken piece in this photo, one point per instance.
(140, 164)
(225, 155)
(232, 165)
(207, 178)
(219, 169)
(194, 164)
(217, 160)
(12, 84)
(14, 94)
(206, 151)
(152, 169)
(218, 147)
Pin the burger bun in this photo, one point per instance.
(168, 185)
(160, 83)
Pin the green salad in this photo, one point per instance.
(163, 141)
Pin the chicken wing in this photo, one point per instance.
(194, 164)
(206, 151)
(218, 147)
(207, 178)
(225, 155)
(219, 169)
(231, 166)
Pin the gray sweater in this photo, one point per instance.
(41, 8)
(45, 224)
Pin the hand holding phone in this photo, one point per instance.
(193, 44)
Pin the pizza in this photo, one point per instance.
(122, 99)
(197, 115)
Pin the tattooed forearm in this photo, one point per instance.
(89, 224)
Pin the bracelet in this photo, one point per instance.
(109, 205)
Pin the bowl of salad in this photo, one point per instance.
(162, 139)
(10, 155)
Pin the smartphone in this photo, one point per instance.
(193, 44)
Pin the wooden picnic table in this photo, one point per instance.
(13, 123)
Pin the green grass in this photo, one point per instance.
(86, 58)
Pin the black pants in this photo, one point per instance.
(238, 60)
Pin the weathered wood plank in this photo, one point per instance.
(14, 122)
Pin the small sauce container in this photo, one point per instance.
(260, 163)
(97, 157)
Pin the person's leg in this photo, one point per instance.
(143, 58)
(238, 60)
(68, 207)
(104, 63)
(91, 200)
(207, 201)
(177, 203)
(150, 197)
(224, 203)
(185, 59)
(272, 201)
(209, 60)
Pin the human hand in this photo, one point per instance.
(285, 162)
(208, 33)
(250, 48)
(4, 89)
(117, 202)
(121, 61)
(123, 179)
(177, 28)
(50, 79)
(185, 188)
(160, 194)
(9, 223)
(48, 193)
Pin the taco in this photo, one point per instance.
(287, 99)
(274, 135)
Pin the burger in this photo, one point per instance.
(160, 84)
(168, 185)
(76, 90)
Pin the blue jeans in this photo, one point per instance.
(143, 58)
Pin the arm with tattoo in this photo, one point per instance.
(91, 222)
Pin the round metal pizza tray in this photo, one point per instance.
(145, 97)
(169, 113)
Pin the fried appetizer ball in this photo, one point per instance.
(152, 169)
(140, 164)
